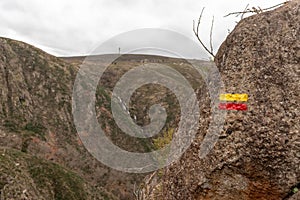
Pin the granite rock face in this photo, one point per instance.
(258, 153)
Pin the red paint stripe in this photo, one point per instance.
(232, 106)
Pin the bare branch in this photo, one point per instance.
(134, 191)
(255, 10)
(244, 11)
(138, 193)
(196, 32)
(210, 36)
(199, 19)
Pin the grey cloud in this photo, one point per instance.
(73, 27)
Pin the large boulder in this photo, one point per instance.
(257, 155)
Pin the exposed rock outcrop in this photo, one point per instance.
(258, 155)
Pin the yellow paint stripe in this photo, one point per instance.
(234, 97)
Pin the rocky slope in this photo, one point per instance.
(36, 122)
(27, 177)
(258, 153)
(36, 118)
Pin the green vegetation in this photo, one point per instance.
(35, 128)
(166, 138)
(10, 125)
(30, 130)
(65, 184)
(49, 179)
(160, 143)
(295, 190)
(103, 98)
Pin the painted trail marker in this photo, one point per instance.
(235, 98)
(233, 106)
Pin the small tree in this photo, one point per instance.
(196, 29)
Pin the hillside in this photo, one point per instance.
(36, 119)
(36, 116)
(28, 177)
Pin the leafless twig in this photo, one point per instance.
(196, 32)
(244, 11)
(138, 192)
(210, 36)
(254, 10)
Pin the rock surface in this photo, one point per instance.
(258, 153)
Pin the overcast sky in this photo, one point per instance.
(75, 27)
